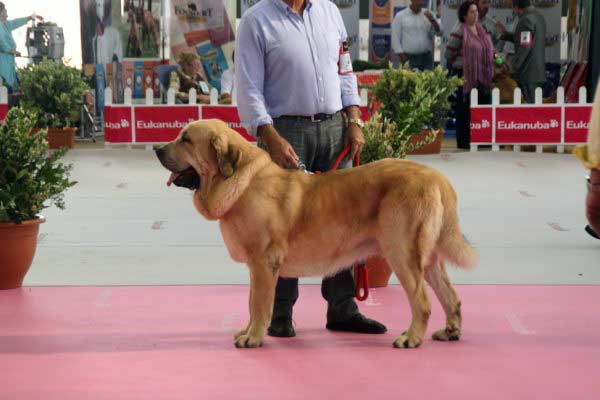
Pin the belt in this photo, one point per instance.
(313, 118)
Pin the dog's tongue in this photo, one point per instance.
(172, 178)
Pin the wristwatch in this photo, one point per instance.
(357, 121)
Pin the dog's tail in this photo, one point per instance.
(452, 246)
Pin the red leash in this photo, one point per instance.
(361, 275)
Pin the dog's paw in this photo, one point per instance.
(447, 335)
(407, 341)
(240, 333)
(247, 341)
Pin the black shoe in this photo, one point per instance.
(281, 327)
(358, 323)
(592, 233)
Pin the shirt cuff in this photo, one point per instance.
(252, 126)
(350, 100)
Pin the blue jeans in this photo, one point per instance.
(317, 144)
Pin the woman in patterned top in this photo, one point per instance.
(470, 53)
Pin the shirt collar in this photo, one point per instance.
(282, 5)
(415, 13)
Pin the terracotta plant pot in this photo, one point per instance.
(19, 242)
(593, 200)
(379, 271)
(59, 137)
(434, 147)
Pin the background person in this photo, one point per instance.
(470, 52)
(413, 32)
(8, 47)
(529, 38)
(186, 77)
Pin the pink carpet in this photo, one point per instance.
(519, 342)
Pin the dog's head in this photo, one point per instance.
(203, 150)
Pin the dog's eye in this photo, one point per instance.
(185, 138)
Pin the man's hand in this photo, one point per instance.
(33, 17)
(280, 150)
(15, 53)
(355, 139)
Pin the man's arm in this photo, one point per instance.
(249, 83)
(249, 76)
(17, 23)
(524, 42)
(348, 82)
(397, 38)
(435, 26)
(454, 46)
(350, 99)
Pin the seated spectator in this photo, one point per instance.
(186, 77)
(227, 82)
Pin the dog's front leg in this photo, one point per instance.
(262, 296)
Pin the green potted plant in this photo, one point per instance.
(55, 91)
(417, 102)
(412, 111)
(31, 177)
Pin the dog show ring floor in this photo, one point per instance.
(132, 295)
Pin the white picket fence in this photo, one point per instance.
(3, 95)
(520, 112)
(147, 123)
(192, 97)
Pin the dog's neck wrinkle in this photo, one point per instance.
(229, 190)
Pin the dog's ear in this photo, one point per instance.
(228, 155)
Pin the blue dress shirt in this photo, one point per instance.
(287, 64)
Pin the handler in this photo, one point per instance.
(298, 95)
(529, 62)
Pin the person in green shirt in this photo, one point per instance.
(529, 61)
(8, 47)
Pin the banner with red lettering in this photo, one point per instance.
(577, 123)
(528, 125)
(117, 124)
(364, 113)
(228, 114)
(3, 111)
(156, 124)
(481, 124)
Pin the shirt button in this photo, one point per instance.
(320, 78)
(322, 99)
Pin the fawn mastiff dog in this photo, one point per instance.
(288, 223)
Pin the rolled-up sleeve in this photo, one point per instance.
(16, 23)
(250, 75)
(348, 82)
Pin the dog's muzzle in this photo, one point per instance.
(187, 178)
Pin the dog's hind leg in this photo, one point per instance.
(437, 277)
(263, 280)
(405, 260)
